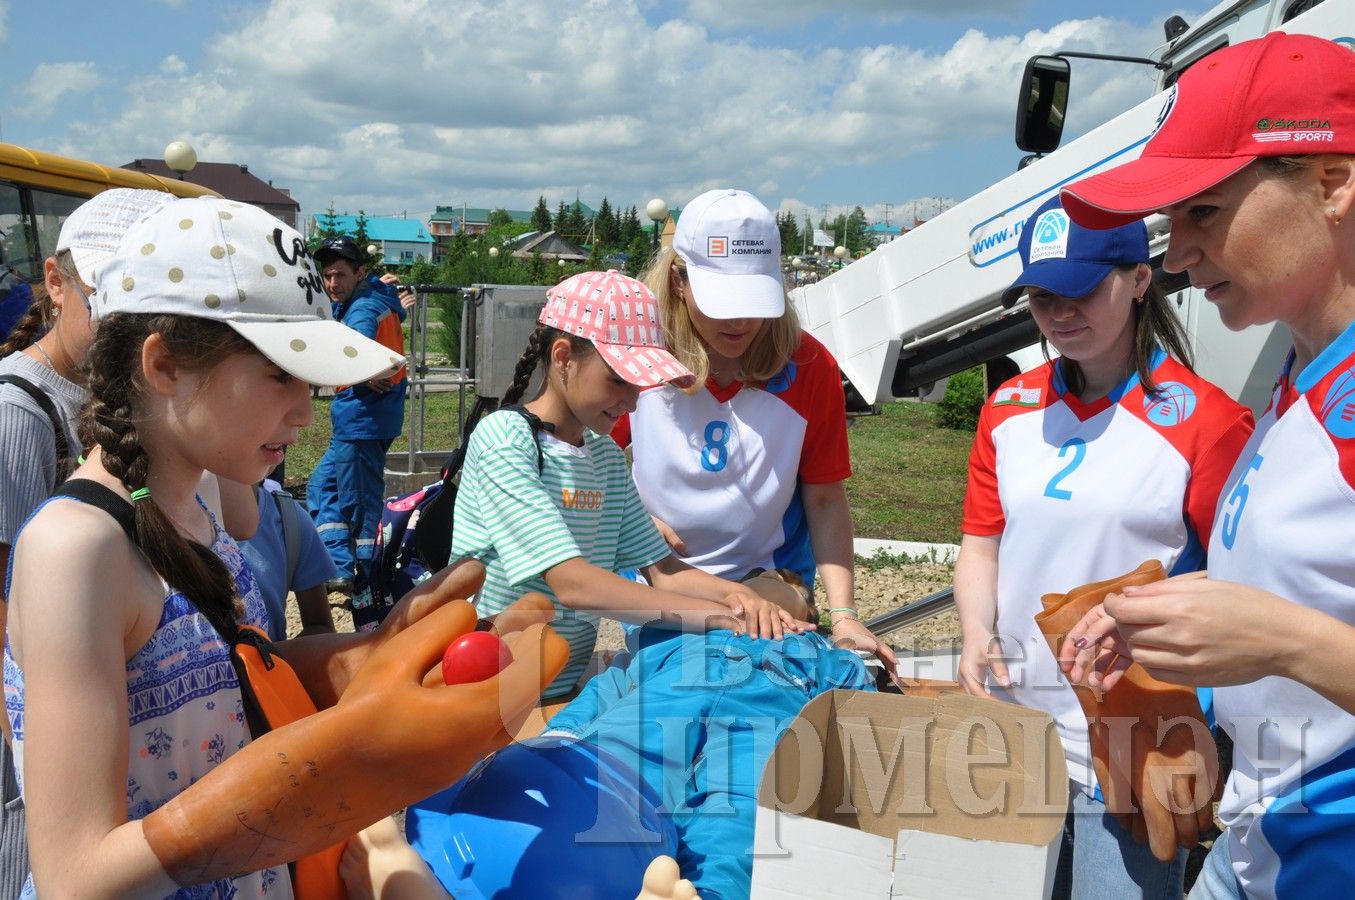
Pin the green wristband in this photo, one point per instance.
(846, 609)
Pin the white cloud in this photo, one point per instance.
(723, 14)
(52, 81)
(438, 105)
(173, 66)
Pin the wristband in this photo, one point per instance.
(846, 609)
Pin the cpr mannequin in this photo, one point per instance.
(1153, 753)
(383, 739)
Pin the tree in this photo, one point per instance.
(541, 215)
(638, 252)
(790, 232)
(326, 226)
(500, 216)
(630, 228)
(608, 231)
(576, 225)
(363, 241)
(561, 219)
(854, 230)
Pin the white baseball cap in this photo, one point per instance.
(93, 231)
(732, 249)
(232, 262)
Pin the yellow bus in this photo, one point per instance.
(38, 190)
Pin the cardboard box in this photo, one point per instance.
(934, 795)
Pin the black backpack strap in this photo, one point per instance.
(104, 498)
(63, 444)
(122, 511)
(537, 425)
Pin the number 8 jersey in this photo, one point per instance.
(723, 466)
(1080, 492)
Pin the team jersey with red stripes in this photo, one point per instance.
(1285, 526)
(1080, 492)
(724, 466)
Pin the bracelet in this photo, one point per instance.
(846, 609)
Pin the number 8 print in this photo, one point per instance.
(715, 454)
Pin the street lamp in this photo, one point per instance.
(657, 210)
(494, 252)
(180, 157)
(840, 252)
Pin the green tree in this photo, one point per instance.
(630, 228)
(608, 230)
(576, 224)
(790, 233)
(326, 226)
(638, 255)
(854, 230)
(561, 221)
(541, 215)
(500, 217)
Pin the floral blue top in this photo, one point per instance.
(185, 712)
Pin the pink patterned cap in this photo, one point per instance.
(621, 317)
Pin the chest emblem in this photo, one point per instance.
(1338, 407)
(1171, 404)
(1017, 395)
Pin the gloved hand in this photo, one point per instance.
(390, 741)
(1152, 751)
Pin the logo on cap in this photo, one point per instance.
(1049, 237)
(1166, 110)
(717, 246)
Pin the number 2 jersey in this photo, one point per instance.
(1286, 525)
(723, 467)
(1080, 492)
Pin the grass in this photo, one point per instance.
(908, 482)
(908, 476)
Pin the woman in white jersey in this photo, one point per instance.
(1254, 164)
(546, 499)
(744, 470)
(1109, 455)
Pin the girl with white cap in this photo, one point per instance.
(134, 756)
(1254, 164)
(744, 469)
(547, 502)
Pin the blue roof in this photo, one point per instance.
(881, 228)
(380, 228)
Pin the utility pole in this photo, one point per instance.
(887, 205)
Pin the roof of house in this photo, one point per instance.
(233, 181)
(882, 228)
(547, 244)
(380, 228)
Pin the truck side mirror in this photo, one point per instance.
(1042, 104)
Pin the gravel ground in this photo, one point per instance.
(877, 591)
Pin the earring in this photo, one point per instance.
(1331, 214)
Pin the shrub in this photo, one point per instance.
(959, 408)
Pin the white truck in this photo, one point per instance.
(927, 304)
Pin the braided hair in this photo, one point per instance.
(110, 420)
(36, 321)
(538, 352)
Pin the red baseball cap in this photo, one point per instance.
(1280, 95)
(621, 317)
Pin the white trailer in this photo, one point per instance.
(927, 304)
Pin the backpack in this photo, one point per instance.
(64, 458)
(288, 511)
(414, 537)
(271, 692)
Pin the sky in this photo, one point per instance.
(398, 107)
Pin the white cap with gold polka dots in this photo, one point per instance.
(221, 259)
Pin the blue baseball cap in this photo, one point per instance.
(1060, 256)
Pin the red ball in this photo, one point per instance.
(474, 656)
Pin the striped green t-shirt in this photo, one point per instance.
(521, 523)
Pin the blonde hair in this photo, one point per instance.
(775, 343)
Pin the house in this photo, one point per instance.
(233, 181)
(401, 241)
(880, 233)
(547, 245)
(447, 221)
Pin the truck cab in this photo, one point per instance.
(927, 304)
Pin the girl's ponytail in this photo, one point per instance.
(109, 420)
(522, 373)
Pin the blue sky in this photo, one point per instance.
(408, 104)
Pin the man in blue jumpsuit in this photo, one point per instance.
(347, 489)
